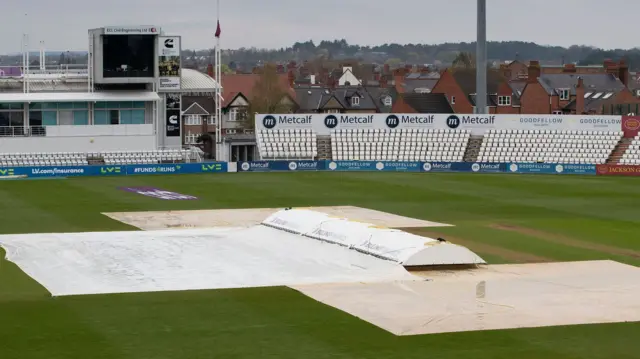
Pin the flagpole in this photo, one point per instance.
(218, 75)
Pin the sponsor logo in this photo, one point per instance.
(333, 166)
(7, 171)
(392, 121)
(173, 119)
(168, 43)
(513, 167)
(379, 166)
(130, 30)
(631, 124)
(293, 166)
(107, 170)
(621, 170)
(475, 167)
(211, 167)
(245, 166)
(57, 171)
(559, 168)
(600, 121)
(453, 121)
(169, 169)
(269, 122)
(602, 169)
(426, 166)
(331, 121)
(541, 121)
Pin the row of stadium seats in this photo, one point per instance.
(81, 158)
(548, 146)
(144, 157)
(632, 155)
(553, 146)
(398, 145)
(287, 144)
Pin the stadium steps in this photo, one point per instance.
(324, 147)
(619, 151)
(473, 149)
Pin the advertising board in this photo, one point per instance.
(630, 126)
(169, 63)
(618, 170)
(463, 167)
(132, 30)
(552, 168)
(116, 170)
(269, 166)
(384, 166)
(323, 124)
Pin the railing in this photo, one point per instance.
(19, 131)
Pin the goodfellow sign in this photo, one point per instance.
(618, 170)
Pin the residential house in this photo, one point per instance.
(322, 99)
(422, 103)
(569, 92)
(198, 117)
(459, 86)
(237, 93)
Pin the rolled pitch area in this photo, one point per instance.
(157, 220)
(493, 297)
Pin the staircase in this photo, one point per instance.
(619, 151)
(324, 148)
(473, 149)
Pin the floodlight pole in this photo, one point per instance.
(481, 58)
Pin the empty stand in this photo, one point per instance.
(398, 145)
(632, 156)
(43, 159)
(83, 159)
(550, 146)
(287, 144)
(142, 157)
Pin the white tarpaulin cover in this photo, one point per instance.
(391, 244)
(117, 262)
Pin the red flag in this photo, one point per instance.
(218, 29)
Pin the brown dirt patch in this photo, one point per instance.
(560, 239)
(507, 254)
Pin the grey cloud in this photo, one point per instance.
(63, 24)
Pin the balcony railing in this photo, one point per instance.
(20, 131)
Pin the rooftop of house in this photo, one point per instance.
(234, 84)
(593, 83)
(428, 102)
(314, 98)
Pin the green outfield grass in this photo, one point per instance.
(504, 218)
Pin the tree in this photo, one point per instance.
(268, 96)
(464, 60)
(206, 140)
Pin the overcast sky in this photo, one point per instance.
(63, 24)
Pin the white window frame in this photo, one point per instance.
(564, 94)
(190, 138)
(211, 120)
(355, 101)
(504, 100)
(453, 100)
(388, 101)
(332, 111)
(233, 114)
(556, 112)
(193, 120)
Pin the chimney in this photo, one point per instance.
(280, 69)
(386, 68)
(210, 70)
(292, 78)
(580, 96)
(383, 81)
(424, 70)
(312, 79)
(533, 71)
(610, 67)
(569, 68)
(623, 72)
